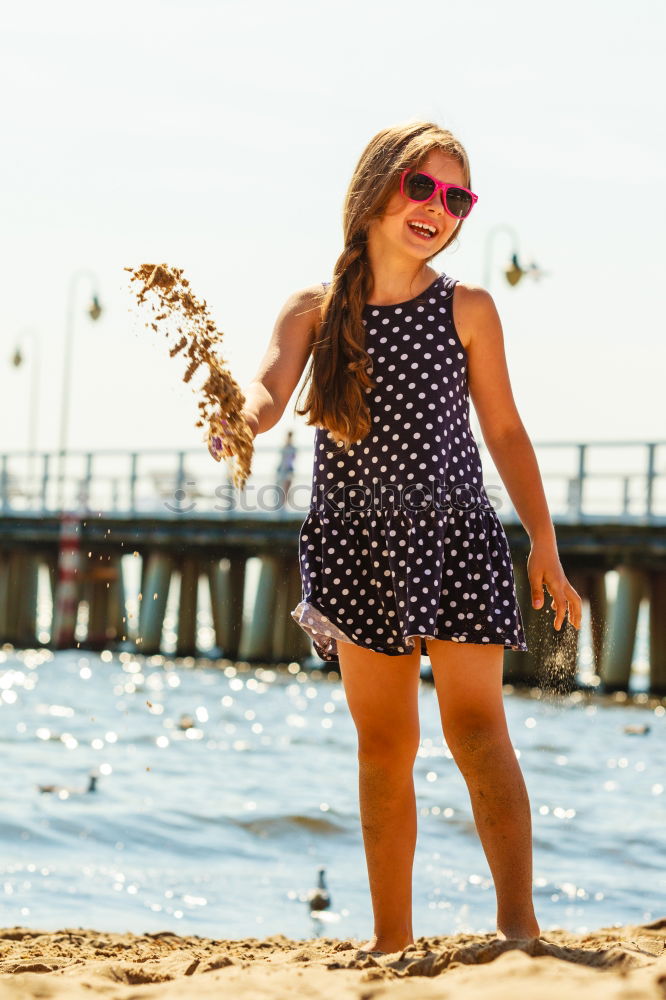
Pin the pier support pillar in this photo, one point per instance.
(657, 595)
(23, 575)
(236, 598)
(618, 650)
(117, 609)
(257, 639)
(143, 580)
(104, 592)
(227, 587)
(14, 572)
(28, 619)
(596, 594)
(52, 565)
(4, 596)
(97, 594)
(186, 639)
(153, 602)
(218, 571)
(52, 568)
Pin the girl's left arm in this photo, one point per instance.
(480, 331)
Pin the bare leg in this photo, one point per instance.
(468, 679)
(382, 694)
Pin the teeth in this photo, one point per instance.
(425, 226)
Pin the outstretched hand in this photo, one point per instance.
(544, 569)
(220, 440)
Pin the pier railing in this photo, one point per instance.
(606, 480)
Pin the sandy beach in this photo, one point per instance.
(626, 962)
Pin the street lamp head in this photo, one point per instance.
(95, 308)
(515, 272)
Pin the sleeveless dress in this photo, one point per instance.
(401, 541)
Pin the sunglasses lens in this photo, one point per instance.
(419, 187)
(458, 202)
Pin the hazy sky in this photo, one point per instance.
(220, 137)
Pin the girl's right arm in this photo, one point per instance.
(284, 360)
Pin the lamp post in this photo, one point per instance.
(94, 311)
(33, 400)
(515, 271)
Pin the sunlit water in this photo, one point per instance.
(219, 829)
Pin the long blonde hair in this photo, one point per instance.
(338, 374)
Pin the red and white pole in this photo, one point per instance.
(67, 586)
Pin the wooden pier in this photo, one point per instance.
(81, 556)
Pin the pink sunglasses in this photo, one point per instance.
(421, 187)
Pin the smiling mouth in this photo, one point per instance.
(423, 230)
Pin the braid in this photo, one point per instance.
(340, 363)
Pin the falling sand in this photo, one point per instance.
(186, 323)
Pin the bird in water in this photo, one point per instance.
(319, 898)
(63, 792)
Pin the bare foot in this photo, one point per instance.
(529, 930)
(384, 946)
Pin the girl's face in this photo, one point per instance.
(393, 232)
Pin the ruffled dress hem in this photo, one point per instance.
(325, 634)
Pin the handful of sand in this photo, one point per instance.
(187, 324)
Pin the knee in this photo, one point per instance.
(390, 750)
(474, 737)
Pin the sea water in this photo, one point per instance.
(223, 788)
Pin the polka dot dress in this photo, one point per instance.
(401, 541)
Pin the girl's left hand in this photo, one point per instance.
(544, 568)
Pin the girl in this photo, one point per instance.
(401, 552)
